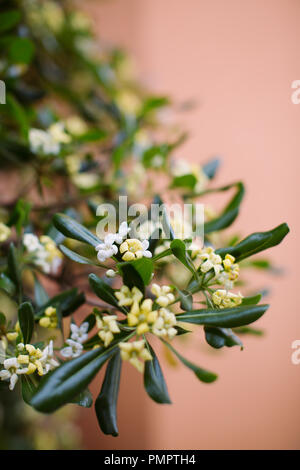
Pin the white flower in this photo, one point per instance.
(165, 323)
(11, 371)
(111, 273)
(42, 141)
(58, 133)
(74, 349)
(47, 360)
(31, 242)
(79, 333)
(210, 260)
(107, 248)
(134, 248)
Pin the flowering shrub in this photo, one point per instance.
(77, 132)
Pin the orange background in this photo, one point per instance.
(237, 60)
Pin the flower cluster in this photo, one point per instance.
(29, 360)
(79, 334)
(43, 252)
(49, 319)
(48, 142)
(130, 249)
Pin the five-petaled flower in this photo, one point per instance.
(136, 353)
(134, 248)
(107, 328)
(12, 368)
(225, 299)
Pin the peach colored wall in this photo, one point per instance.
(237, 59)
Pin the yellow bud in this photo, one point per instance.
(12, 336)
(23, 359)
(31, 368)
(45, 322)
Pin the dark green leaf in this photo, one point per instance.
(72, 229)
(26, 321)
(226, 317)
(21, 50)
(104, 291)
(256, 242)
(9, 19)
(29, 386)
(7, 284)
(13, 268)
(178, 249)
(75, 256)
(69, 380)
(154, 381)
(137, 273)
(186, 300)
(106, 403)
(219, 337)
(230, 212)
(201, 374)
(253, 300)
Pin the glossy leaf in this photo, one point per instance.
(76, 257)
(178, 249)
(40, 295)
(69, 380)
(106, 403)
(73, 229)
(104, 291)
(219, 337)
(226, 317)
(26, 321)
(230, 212)
(256, 243)
(202, 374)
(137, 273)
(154, 381)
(84, 399)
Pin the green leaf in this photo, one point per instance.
(7, 284)
(26, 321)
(186, 299)
(66, 302)
(29, 386)
(211, 168)
(219, 337)
(201, 374)
(230, 212)
(9, 19)
(253, 300)
(69, 380)
(2, 319)
(106, 403)
(104, 291)
(72, 229)
(18, 113)
(75, 256)
(20, 215)
(256, 243)
(185, 181)
(40, 295)
(93, 135)
(154, 381)
(178, 249)
(13, 268)
(91, 320)
(226, 317)
(137, 273)
(84, 399)
(21, 50)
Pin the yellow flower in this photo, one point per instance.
(49, 320)
(142, 316)
(135, 353)
(232, 268)
(75, 125)
(225, 299)
(134, 248)
(108, 327)
(4, 232)
(164, 295)
(128, 297)
(12, 336)
(31, 357)
(58, 133)
(165, 323)
(210, 260)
